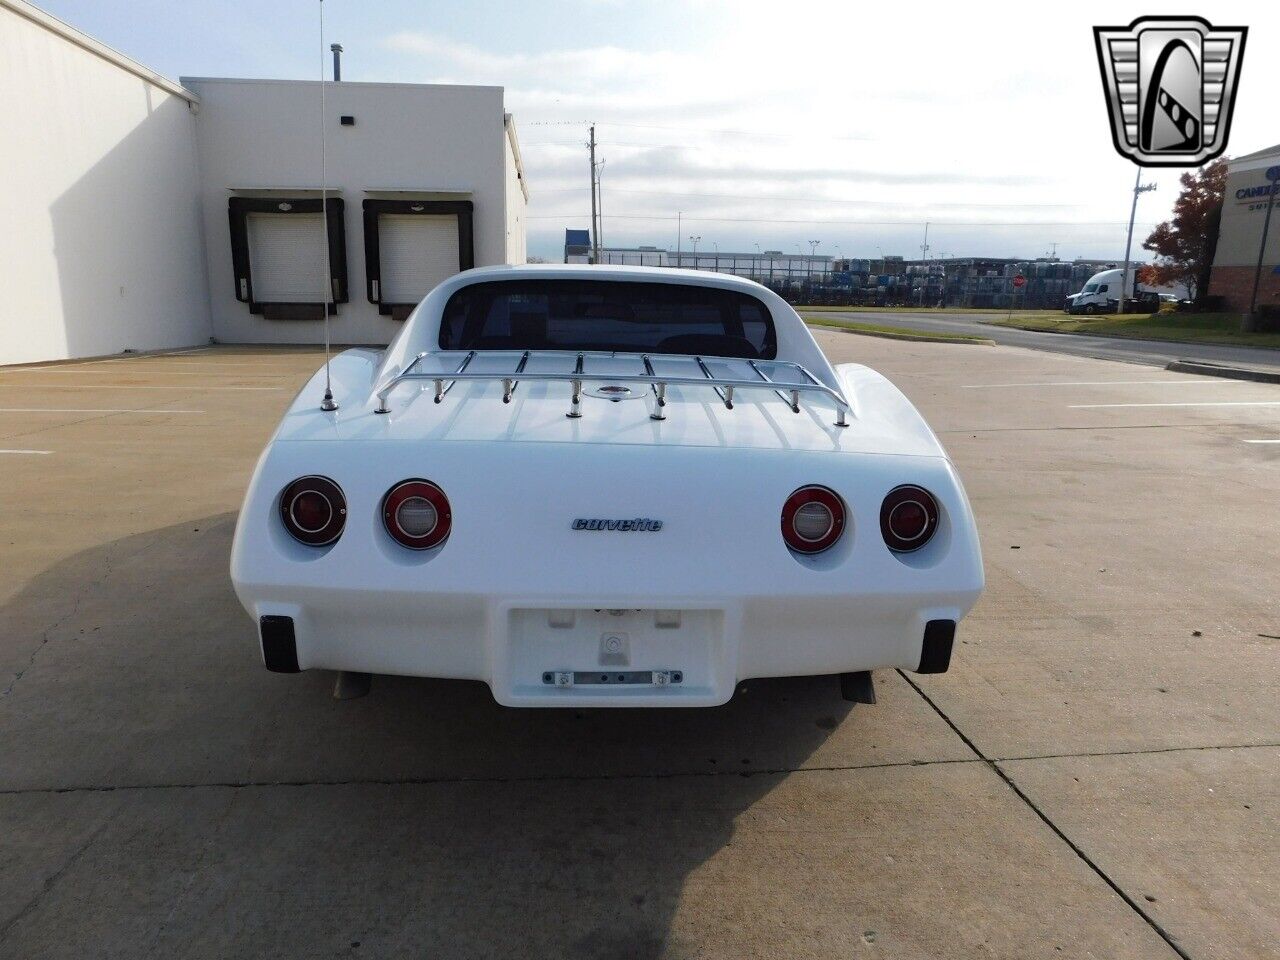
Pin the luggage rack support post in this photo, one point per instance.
(575, 402)
(509, 385)
(659, 391)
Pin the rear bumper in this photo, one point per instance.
(524, 648)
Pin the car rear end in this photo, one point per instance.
(578, 573)
(604, 486)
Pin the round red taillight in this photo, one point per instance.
(416, 513)
(908, 518)
(812, 519)
(314, 510)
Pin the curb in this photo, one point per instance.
(922, 338)
(1204, 368)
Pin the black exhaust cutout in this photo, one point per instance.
(279, 648)
(858, 687)
(935, 652)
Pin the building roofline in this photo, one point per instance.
(1258, 154)
(338, 83)
(96, 47)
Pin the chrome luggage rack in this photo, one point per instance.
(787, 390)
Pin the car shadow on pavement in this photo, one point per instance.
(236, 812)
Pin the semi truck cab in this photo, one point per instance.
(1101, 294)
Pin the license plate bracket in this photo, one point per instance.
(574, 678)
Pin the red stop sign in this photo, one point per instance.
(1019, 280)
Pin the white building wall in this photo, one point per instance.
(101, 248)
(517, 197)
(440, 142)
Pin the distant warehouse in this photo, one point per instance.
(1240, 235)
(983, 282)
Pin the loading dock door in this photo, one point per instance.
(417, 253)
(278, 255)
(287, 256)
(410, 247)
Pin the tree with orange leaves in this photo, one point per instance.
(1184, 245)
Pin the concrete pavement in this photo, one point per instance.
(1096, 777)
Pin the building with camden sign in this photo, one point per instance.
(1244, 211)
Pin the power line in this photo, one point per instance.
(865, 223)
(696, 130)
(744, 196)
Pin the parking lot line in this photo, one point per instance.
(38, 452)
(124, 386)
(1099, 383)
(1206, 403)
(1262, 441)
(88, 410)
(74, 371)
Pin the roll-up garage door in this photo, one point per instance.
(418, 251)
(288, 257)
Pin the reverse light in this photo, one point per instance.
(313, 510)
(417, 515)
(908, 518)
(813, 519)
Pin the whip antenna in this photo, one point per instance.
(328, 403)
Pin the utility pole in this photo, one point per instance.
(600, 202)
(595, 234)
(924, 259)
(679, 221)
(1138, 187)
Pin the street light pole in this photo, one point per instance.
(924, 258)
(1273, 175)
(595, 232)
(1138, 187)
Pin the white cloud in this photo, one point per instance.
(948, 113)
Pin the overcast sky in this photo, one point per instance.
(760, 123)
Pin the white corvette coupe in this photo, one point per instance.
(604, 486)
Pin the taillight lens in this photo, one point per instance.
(416, 513)
(812, 519)
(314, 510)
(908, 518)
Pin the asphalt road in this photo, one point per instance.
(1097, 775)
(1158, 352)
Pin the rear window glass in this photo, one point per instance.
(607, 315)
